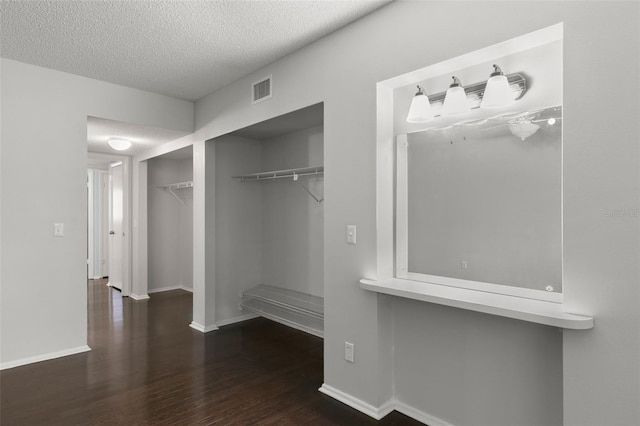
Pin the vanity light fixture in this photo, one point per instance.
(500, 90)
(420, 110)
(497, 93)
(455, 101)
(119, 144)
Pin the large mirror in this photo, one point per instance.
(480, 202)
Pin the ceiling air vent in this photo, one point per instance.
(261, 90)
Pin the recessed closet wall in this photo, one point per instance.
(292, 221)
(267, 232)
(170, 223)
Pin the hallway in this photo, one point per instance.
(147, 367)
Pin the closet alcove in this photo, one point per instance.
(269, 236)
(170, 221)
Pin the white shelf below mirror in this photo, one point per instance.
(536, 311)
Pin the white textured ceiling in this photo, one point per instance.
(184, 49)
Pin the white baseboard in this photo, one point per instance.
(234, 320)
(174, 287)
(418, 415)
(43, 357)
(138, 296)
(386, 408)
(201, 328)
(358, 404)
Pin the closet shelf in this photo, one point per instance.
(281, 174)
(173, 187)
(292, 308)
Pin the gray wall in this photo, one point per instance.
(44, 129)
(169, 225)
(292, 221)
(481, 369)
(601, 163)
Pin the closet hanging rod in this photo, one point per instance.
(281, 174)
(179, 185)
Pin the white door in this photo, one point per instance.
(116, 229)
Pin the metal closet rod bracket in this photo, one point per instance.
(171, 188)
(308, 191)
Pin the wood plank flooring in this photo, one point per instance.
(147, 367)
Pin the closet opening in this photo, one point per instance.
(269, 221)
(170, 221)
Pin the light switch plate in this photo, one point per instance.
(349, 350)
(351, 234)
(58, 229)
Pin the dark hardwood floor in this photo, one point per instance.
(147, 367)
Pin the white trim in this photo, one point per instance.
(174, 287)
(44, 357)
(201, 328)
(385, 188)
(387, 408)
(401, 206)
(358, 404)
(139, 297)
(418, 415)
(384, 409)
(385, 149)
(537, 311)
(239, 318)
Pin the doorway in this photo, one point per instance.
(109, 233)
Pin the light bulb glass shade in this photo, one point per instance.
(420, 110)
(119, 144)
(455, 101)
(497, 93)
(523, 129)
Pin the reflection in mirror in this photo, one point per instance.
(481, 201)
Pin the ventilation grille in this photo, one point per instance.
(261, 90)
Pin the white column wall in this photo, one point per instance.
(44, 129)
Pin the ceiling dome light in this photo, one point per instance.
(119, 144)
(523, 129)
(551, 121)
(420, 110)
(455, 101)
(497, 93)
